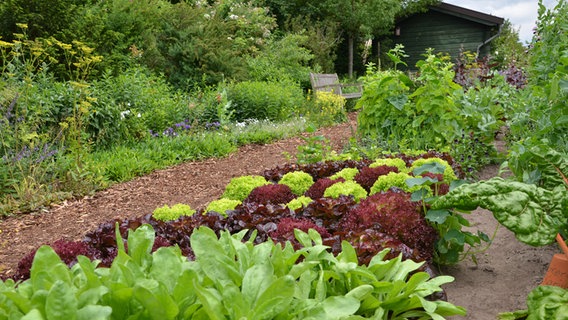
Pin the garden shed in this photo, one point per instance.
(446, 28)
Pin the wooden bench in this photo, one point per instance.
(329, 82)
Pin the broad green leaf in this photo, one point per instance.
(348, 253)
(337, 307)
(398, 101)
(23, 304)
(167, 266)
(422, 181)
(213, 258)
(256, 280)
(275, 299)
(155, 299)
(140, 242)
(211, 301)
(437, 216)
(432, 167)
(34, 314)
(93, 312)
(47, 268)
(61, 303)
(360, 292)
(534, 214)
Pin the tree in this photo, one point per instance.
(507, 48)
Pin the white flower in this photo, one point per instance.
(123, 114)
(233, 17)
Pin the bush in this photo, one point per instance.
(329, 108)
(265, 100)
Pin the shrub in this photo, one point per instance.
(222, 205)
(240, 187)
(167, 213)
(298, 181)
(264, 100)
(329, 108)
(346, 188)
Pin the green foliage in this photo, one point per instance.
(298, 181)
(222, 205)
(229, 279)
(347, 174)
(543, 302)
(393, 179)
(507, 48)
(327, 109)
(282, 57)
(347, 188)
(534, 214)
(264, 100)
(448, 172)
(540, 116)
(240, 187)
(167, 213)
(299, 202)
(392, 162)
(315, 149)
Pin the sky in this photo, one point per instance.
(522, 13)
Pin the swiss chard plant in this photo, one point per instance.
(534, 213)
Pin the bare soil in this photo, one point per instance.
(499, 282)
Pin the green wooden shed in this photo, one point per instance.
(446, 28)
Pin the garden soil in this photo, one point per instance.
(499, 282)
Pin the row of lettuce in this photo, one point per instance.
(393, 212)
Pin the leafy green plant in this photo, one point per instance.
(222, 205)
(240, 187)
(454, 244)
(347, 174)
(298, 181)
(315, 149)
(543, 302)
(299, 202)
(346, 188)
(231, 278)
(328, 108)
(264, 100)
(167, 213)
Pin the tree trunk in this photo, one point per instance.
(350, 63)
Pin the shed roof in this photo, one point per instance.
(468, 14)
(464, 13)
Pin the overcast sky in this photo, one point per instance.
(521, 13)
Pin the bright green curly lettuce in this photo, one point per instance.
(347, 174)
(167, 213)
(299, 202)
(298, 181)
(393, 162)
(346, 188)
(240, 187)
(222, 205)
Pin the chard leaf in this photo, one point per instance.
(432, 167)
(534, 214)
